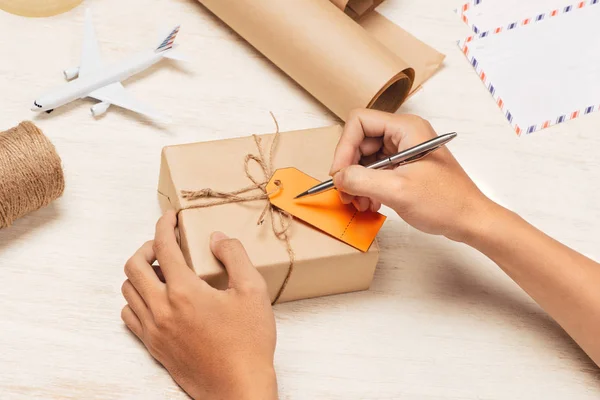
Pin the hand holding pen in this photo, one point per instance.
(434, 194)
(403, 157)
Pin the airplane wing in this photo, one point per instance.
(90, 54)
(116, 94)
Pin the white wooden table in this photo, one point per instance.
(440, 321)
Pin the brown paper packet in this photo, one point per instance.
(323, 265)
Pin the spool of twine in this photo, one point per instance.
(31, 174)
(38, 8)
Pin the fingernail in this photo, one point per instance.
(218, 236)
(362, 204)
(345, 199)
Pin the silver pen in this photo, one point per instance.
(404, 157)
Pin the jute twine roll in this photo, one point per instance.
(31, 174)
(38, 8)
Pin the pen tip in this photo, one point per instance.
(301, 195)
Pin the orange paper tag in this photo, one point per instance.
(324, 211)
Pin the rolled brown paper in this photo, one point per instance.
(31, 174)
(323, 50)
(422, 58)
(38, 8)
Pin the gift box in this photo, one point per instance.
(322, 264)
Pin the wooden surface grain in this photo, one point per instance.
(440, 321)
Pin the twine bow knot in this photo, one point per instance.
(280, 220)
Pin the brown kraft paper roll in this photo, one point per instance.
(424, 59)
(323, 50)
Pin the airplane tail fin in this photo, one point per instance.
(167, 43)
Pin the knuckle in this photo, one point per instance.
(163, 319)
(254, 287)
(340, 179)
(125, 287)
(415, 118)
(158, 245)
(159, 222)
(401, 196)
(152, 338)
(421, 125)
(178, 295)
(352, 176)
(396, 185)
(124, 313)
(130, 267)
(354, 113)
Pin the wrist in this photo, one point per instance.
(262, 385)
(480, 222)
(238, 384)
(255, 384)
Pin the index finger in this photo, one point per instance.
(169, 255)
(361, 124)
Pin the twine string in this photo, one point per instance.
(31, 174)
(280, 220)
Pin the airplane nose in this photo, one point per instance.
(36, 106)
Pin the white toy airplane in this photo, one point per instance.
(104, 83)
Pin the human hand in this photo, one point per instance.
(215, 344)
(434, 195)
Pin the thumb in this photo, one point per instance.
(379, 185)
(232, 254)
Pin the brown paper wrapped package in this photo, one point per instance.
(323, 265)
(342, 64)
